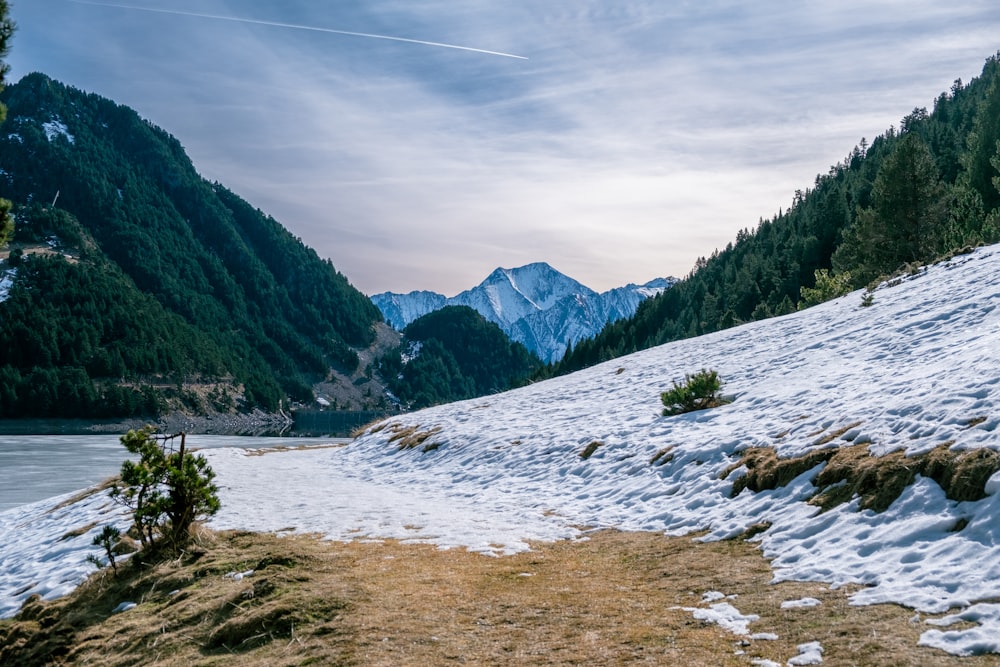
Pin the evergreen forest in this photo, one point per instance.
(914, 194)
(131, 278)
(130, 275)
(452, 354)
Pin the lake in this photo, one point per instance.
(35, 467)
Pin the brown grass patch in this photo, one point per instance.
(410, 437)
(663, 456)
(589, 450)
(613, 599)
(766, 471)
(878, 480)
(77, 532)
(374, 426)
(261, 451)
(975, 421)
(86, 493)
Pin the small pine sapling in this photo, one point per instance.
(166, 490)
(107, 538)
(698, 392)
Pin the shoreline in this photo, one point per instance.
(253, 424)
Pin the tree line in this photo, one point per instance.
(174, 276)
(913, 194)
(452, 354)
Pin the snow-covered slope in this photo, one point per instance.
(534, 304)
(916, 372)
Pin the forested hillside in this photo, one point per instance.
(452, 354)
(914, 193)
(154, 275)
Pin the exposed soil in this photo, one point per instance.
(615, 598)
(362, 389)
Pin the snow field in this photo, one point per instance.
(918, 369)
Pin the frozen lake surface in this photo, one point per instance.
(36, 467)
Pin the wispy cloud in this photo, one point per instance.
(637, 137)
(295, 26)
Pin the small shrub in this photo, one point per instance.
(698, 392)
(166, 490)
(868, 298)
(107, 538)
(828, 286)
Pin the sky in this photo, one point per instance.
(617, 140)
(918, 371)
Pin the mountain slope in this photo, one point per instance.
(452, 354)
(234, 275)
(868, 408)
(828, 226)
(537, 306)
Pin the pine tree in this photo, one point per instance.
(983, 145)
(906, 216)
(166, 490)
(6, 32)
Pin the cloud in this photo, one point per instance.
(295, 26)
(638, 136)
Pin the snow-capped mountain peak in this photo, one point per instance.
(535, 304)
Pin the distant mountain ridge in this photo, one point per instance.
(535, 305)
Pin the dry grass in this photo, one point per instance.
(663, 456)
(410, 437)
(766, 471)
(611, 600)
(834, 434)
(878, 480)
(589, 450)
(262, 451)
(373, 426)
(86, 493)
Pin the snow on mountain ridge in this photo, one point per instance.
(401, 309)
(535, 305)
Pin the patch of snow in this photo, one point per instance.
(6, 282)
(800, 604)
(411, 351)
(13, 136)
(123, 606)
(984, 638)
(764, 662)
(726, 616)
(44, 550)
(55, 128)
(809, 654)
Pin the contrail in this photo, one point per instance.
(300, 27)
